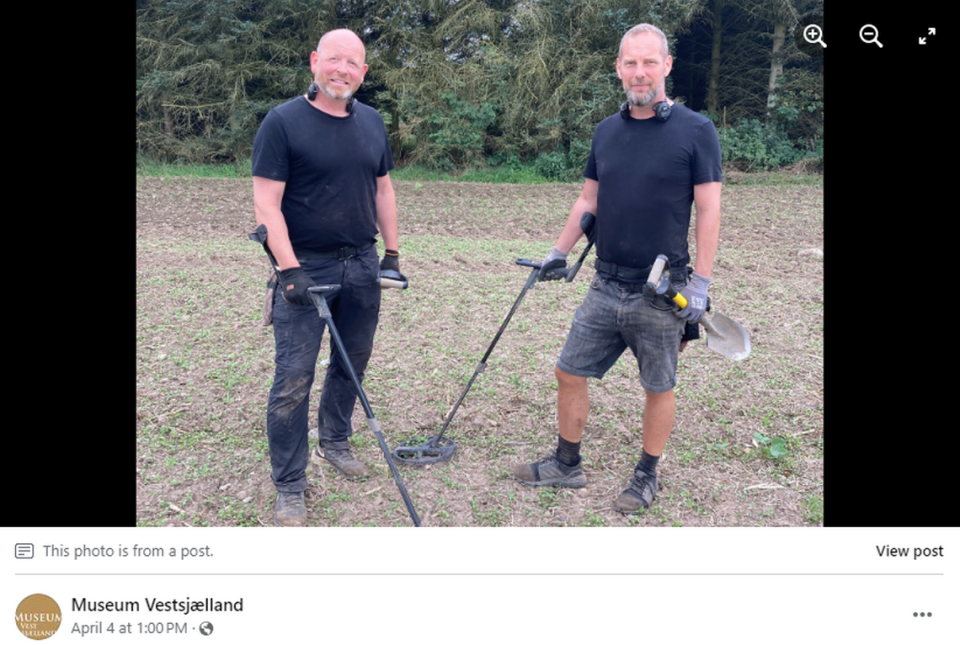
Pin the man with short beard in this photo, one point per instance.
(647, 165)
(321, 186)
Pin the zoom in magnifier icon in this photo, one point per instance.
(869, 35)
(813, 34)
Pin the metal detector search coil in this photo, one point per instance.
(439, 448)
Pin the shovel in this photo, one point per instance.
(724, 335)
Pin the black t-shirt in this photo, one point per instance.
(330, 165)
(646, 171)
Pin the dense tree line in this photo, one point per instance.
(468, 82)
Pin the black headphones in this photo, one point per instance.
(661, 110)
(312, 94)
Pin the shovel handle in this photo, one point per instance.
(682, 303)
(708, 326)
(674, 295)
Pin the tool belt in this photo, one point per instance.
(636, 278)
(340, 254)
(626, 274)
(632, 274)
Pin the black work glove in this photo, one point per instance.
(691, 331)
(390, 261)
(294, 284)
(556, 260)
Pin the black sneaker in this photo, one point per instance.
(550, 472)
(343, 460)
(638, 495)
(291, 510)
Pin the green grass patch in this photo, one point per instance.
(524, 174)
(238, 170)
(814, 508)
(773, 178)
(501, 175)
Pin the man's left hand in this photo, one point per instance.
(390, 261)
(696, 294)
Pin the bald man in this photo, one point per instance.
(321, 186)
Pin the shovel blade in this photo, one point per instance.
(726, 336)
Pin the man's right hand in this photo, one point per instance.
(556, 260)
(294, 283)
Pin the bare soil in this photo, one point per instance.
(747, 445)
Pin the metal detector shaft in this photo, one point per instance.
(482, 365)
(587, 222)
(321, 302)
(571, 273)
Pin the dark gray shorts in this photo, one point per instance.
(615, 316)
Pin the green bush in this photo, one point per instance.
(563, 166)
(579, 153)
(552, 165)
(799, 111)
(458, 129)
(754, 146)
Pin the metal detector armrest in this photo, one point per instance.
(260, 236)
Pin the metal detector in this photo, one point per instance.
(440, 448)
(587, 220)
(316, 294)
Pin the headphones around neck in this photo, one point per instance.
(312, 94)
(661, 110)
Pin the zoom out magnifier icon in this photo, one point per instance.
(813, 34)
(869, 34)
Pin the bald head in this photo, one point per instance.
(342, 38)
(338, 68)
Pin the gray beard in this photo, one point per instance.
(329, 92)
(643, 100)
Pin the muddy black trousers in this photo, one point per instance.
(298, 331)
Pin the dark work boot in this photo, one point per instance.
(343, 460)
(550, 472)
(291, 510)
(639, 493)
